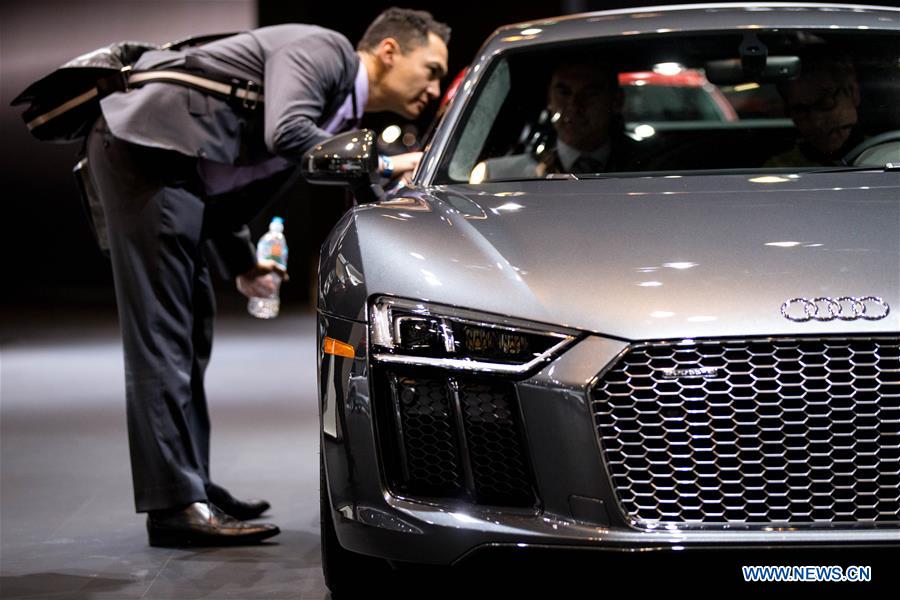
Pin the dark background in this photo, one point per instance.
(49, 256)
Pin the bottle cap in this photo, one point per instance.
(277, 224)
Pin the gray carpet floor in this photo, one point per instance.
(67, 523)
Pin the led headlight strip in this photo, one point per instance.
(420, 333)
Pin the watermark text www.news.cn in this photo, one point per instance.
(808, 573)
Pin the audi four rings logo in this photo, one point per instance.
(845, 308)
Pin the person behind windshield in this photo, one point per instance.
(584, 102)
(823, 102)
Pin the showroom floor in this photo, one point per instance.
(67, 524)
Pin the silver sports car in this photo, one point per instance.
(666, 323)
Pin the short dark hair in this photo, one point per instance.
(833, 64)
(409, 27)
(604, 70)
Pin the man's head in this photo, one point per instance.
(405, 52)
(823, 102)
(582, 99)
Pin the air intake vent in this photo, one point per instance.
(454, 438)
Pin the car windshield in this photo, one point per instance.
(740, 101)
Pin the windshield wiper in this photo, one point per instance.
(849, 169)
(888, 167)
(556, 177)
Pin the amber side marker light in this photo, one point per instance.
(332, 346)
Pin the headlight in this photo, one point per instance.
(419, 333)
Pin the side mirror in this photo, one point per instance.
(346, 159)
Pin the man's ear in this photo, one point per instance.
(387, 51)
(854, 93)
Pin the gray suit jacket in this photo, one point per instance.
(306, 71)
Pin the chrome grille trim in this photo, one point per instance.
(803, 432)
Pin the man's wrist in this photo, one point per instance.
(386, 165)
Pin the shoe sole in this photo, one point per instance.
(240, 511)
(242, 515)
(163, 538)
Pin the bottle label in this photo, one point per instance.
(272, 248)
(276, 251)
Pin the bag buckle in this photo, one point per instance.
(116, 82)
(124, 74)
(250, 87)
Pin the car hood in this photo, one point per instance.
(644, 258)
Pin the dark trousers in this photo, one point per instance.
(155, 212)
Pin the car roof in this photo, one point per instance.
(694, 17)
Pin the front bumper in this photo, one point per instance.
(577, 509)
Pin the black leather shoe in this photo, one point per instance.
(202, 524)
(238, 509)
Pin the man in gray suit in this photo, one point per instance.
(180, 171)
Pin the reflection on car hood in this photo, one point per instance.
(645, 258)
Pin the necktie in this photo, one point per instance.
(587, 164)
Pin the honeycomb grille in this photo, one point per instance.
(796, 431)
(432, 453)
(458, 439)
(492, 433)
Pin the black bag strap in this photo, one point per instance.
(107, 85)
(245, 94)
(248, 93)
(199, 40)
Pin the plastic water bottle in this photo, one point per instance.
(271, 246)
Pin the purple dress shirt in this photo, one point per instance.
(219, 178)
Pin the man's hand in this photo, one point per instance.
(405, 164)
(256, 283)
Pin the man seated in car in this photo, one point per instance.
(584, 103)
(823, 103)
